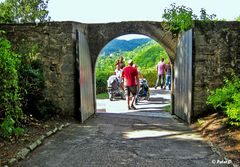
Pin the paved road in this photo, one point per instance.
(147, 137)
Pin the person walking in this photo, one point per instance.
(161, 66)
(121, 62)
(118, 73)
(168, 75)
(131, 84)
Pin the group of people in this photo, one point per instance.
(128, 77)
(163, 69)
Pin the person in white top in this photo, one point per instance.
(118, 73)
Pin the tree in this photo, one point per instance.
(24, 11)
(206, 17)
(180, 18)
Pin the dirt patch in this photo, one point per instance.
(226, 138)
(34, 129)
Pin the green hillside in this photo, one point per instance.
(148, 55)
(120, 46)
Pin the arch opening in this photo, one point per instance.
(146, 53)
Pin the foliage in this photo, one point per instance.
(180, 18)
(31, 80)
(24, 11)
(149, 53)
(104, 69)
(21, 87)
(227, 99)
(120, 46)
(10, 106)
(150, 75)
(21, 77)
(238, 18)
(8, 128)
(168, 108)
(102, 96)
(206, 17)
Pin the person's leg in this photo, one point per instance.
(169, 87)
(167, 81)
(128, 101)
(162, 81)
(127, 93)
(136, 98)
(158, 78)
(134, 92)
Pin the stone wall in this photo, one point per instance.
(56, 50)
(216, 54)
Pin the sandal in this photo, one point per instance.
(133, 107)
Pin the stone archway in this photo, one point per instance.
(100, 34)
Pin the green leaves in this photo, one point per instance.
(21, 87)
(180, 18)
(227, 99)
(9, 90)
(24, 11)
(8, 128)
(10, 105)
(238, 18)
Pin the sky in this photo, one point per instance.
(104, 11)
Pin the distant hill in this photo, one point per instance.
(147, 55)
(119, 45)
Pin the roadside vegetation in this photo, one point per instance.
(21, 77)
(226, 100)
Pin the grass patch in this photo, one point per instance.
(102, 96)
(168, 108)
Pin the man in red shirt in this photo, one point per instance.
(131, 81)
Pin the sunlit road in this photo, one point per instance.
(154, 107)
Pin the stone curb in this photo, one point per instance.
(221, 153)
(25, 151)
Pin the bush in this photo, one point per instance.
(180, 18)
(21, 88)
(10, 106)
(227, 100)
(32, 83)
(150, 75)
(101, 80)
